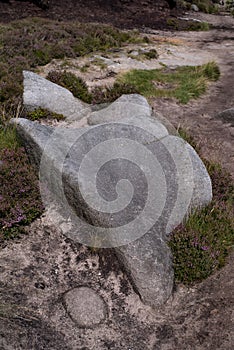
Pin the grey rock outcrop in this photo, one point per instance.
(40, 92)
(124, 184)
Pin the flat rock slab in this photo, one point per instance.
(124, 185)
(42, 93)
(85, 307)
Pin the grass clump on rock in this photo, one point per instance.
(200, 245)
(182, 83)
(41, 113)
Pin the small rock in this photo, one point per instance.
(85, 307)
(227, 116)
(40, 285)
(194, 8)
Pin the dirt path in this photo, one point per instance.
(214, 136)
(38, 269)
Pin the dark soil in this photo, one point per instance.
(127, 14)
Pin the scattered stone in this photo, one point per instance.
(227, 116)
(85, 307)
(194, 8)
(42, 93)
(102, 60)
(143, 53)
(124, 184)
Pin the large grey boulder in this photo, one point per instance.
(42, 93)
(124, 185)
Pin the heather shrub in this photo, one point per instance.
(71, 82)
(110, 94)
(200, 245)
(30, 42)
(42, 113)
(20, 201)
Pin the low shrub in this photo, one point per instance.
(30, 42)
(20, 201)
(207, 6)
(71, 82)
(198, 26)
(151, 54)
(200, 245)
(41, 113)
(110, 94)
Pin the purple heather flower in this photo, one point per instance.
(205, 247)
(195, 242)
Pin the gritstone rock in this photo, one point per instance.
(123, 184)
(42, 93)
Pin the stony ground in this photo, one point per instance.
(37, 270)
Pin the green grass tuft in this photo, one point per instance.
(9, 138)
(183, 83)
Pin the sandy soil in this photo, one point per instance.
(36, 270)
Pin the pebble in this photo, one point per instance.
(85, 307)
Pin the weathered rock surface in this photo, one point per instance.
(227, 116)
(85, 307)
(124, 184)
(126, 106)
(40, 92)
